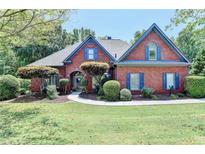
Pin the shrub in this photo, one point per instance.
(172, 96)
(195, 86)
(112, 89)
(180, 94)
(63, 84)
(106, 77)
(52, 92)
(100, 91)
(147, 92)
(83, 84)
(9, 87)
(154, 97)
(125, 95)
(24, 86)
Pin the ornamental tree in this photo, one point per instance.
(41, 72)
(30, 72)
(95, 69)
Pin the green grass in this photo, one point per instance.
(73, 123)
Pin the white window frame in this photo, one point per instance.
(135, 85)
(168, 82)
(92, 54)
(152, 45)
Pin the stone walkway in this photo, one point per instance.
(75, 97)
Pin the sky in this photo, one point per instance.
(121, 24)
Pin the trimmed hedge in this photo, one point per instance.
(9, 87)
(125, 95)
(111, 90)
(52, 92)
(195, 86)
(147, 92)
(29, 72)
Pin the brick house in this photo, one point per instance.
(152, 61)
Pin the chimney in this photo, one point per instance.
(109, 38)
(115, 55)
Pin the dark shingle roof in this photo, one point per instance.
(113, 46)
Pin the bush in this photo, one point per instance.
(147, 92)
(112, 89)
(52, 92)
(24, 86)
(83, 84)
(172, 96)
(9, 87)
(180, 94)
(154, 97)
(125, 95)
(100, 91)
(195, 86)
(63, 84)
(105, 78)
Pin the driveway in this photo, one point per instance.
(75, 97)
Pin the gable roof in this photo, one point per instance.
(110, 46)
(162, 35)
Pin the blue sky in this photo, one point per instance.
(120, 23)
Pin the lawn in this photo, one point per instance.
(74, 123)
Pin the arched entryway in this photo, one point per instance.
(75, 78)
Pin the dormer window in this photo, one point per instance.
(91, 54)
(152, 51)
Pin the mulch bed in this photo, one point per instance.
(93, 96)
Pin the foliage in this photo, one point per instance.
(63, 84)
(137, 35)
(154, 97)
(198, 64)
(52, 92)
(24, 85)
(147, 92)
(9, 87)
(192, 37)
(125, 95)
(180, 94)
(95, 69)
(100, 91)
(173, 96)
(29, 72)
(83, 84)
(112, 89)
(195, 86)
(171, 90)
(8, 61)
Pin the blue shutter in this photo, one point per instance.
(95, 53)
(146, 53)
(85, 54)
(158, 53)
(176, 81)
(164, 81)
(128, 80)
(141, 80)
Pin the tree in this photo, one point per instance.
(137, 35)
(198, 65)
(95, 69)
(192, 38)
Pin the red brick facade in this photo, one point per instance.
(152, 76)
(139, 52)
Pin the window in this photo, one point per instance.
(53, 80)
(90, 53)
(152, 51)
(134, 81)
(170, 80)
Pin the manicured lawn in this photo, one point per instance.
(73, 123)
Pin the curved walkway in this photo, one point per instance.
(75, 97)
